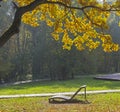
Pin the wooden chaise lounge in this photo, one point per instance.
(62, 98)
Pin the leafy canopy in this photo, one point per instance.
(79, 23)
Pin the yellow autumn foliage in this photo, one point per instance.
(77, 27)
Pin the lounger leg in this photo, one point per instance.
(85, 93)
(50, 100)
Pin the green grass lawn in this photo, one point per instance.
(99, 103)
(59, 86)
(109, 102)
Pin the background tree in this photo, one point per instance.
(34, 52)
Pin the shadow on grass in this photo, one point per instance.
(70, 102)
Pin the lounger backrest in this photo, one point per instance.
(81, 87)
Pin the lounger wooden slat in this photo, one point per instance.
(67, 98)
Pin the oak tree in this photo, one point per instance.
(79, 23)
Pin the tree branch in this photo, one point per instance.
(14, 28)
(1, 1)
(84, 7)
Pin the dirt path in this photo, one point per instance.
(52, 94)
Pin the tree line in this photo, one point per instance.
(34, 54)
